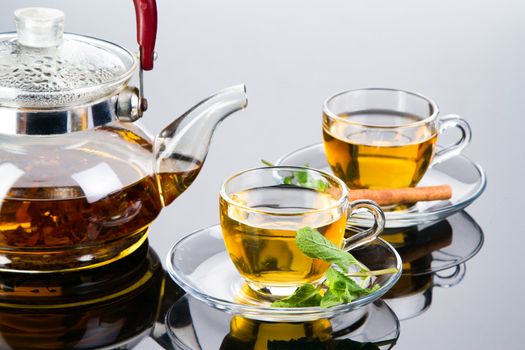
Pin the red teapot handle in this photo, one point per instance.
(146, 12)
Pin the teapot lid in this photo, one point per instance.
(43, 68)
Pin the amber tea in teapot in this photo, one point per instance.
(60, 217)
(57, 222)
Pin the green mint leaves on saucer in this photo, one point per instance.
(302, 178)
(342, 289)
(338, 287)
(305, 295)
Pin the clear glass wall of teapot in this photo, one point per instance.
(80, 179)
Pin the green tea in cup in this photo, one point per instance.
(260, 213)
(384, 138)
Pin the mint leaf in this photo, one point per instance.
(336, 278)
(345, 286)
(374, 288)
(305, 295)
(336, 282)
(315, 245)
(288, 180)
(338, 288)
(321, 185)
(302, 177)
(330, 299)
(342, 289)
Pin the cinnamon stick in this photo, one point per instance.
(403, 195)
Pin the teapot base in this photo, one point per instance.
(71, 258)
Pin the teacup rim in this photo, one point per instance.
(343, 199)
(430, 118)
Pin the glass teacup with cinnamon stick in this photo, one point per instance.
(385, 139)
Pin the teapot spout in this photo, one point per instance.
(180, 149)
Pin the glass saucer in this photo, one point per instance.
(437, 246)
(466, 178)
(200, 264)
(192, 325)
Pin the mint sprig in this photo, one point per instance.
(338, 287)
(314, 245)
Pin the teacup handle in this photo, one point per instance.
(447, 281)
(447, 122)
(370, 234)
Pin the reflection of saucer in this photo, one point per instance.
(113, 306)
(193, 325)
(466, 178)
(200, 264)
(439, 246)
(412, 294)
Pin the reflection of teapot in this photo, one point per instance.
(81, 180)
(115, 305)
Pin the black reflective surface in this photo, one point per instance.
(466, 55)
(435, 263)
(132, 303)
(192, 325)
(114, 306)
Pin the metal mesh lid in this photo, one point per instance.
(40, 67)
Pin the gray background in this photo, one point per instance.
(467, 55)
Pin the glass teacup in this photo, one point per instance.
(261, 210)
(385, 138)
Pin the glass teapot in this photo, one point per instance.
(80, 178)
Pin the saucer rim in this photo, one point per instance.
(273, 313)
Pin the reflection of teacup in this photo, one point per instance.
(249, 334)
(194, 325)
(385, 138)
(412, 295)
(261, 210)
(413, 243)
